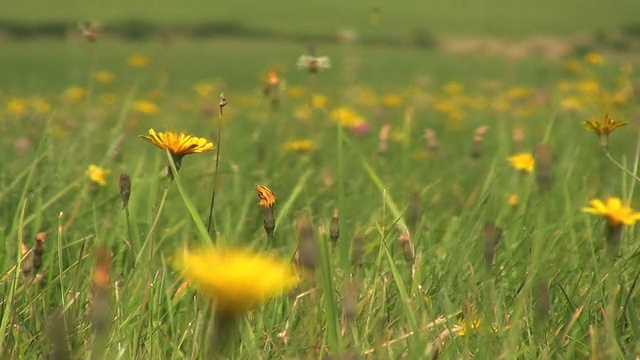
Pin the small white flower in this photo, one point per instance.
(313, 63)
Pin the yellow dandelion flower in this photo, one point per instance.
(146, 107)
(16, 106)
(41, 105)
(74, 94)
(613, 211)
(108, 98)
(265, 196)
(571, 104)
(453, 88)
(235, 280)
(594, 59)
(392, 100)
(302, 112)
(97, 174)
(573, 66)
(464, 327)
(178, 145)
(589, 87)
(522, 161)
(514, 200)
(603, 128)
(300, 146)
(519, 92)
(500, 105)
(138, 61)
(346, 117)
(204, 90)
(319, 101)
(104, 77)
(297, 92)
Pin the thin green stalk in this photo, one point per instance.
(204, 233)
(156, 218)
(211, 230)
(8, 302)
(620, 166)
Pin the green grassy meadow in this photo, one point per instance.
(417, 271)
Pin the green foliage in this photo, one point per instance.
(554, 290)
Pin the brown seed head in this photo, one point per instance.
(307, 246)
(125, 189)
(334, 230)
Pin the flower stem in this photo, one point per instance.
(634, 176)
(210, 225)
(156, 219)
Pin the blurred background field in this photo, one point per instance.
(503, 18)
(406, 135)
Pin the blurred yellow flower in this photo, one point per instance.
(300, 146)
(108, 98)
(204, 90)
(41, 105)
(319, 101)
(500, 105)
(146, 107)
(297, 91)
(453, 88)
(302, 112)
(594, 58)
(392, 100)
(97, 174)
(464, 327)
(522, 161)
(74, 94)
(235, 280)
(104, 77)
(571, 104)
(519, 92)
(573, 66)
(613, 211)
(589, 86)
(138, 61)
(16, 106)
(265, 196)
(346, 117)
(514, 200)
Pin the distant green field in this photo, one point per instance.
(505, 18)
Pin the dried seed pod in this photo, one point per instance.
(383, 144)
(357, 251)
(100, 296)
(307, 253)
(350, 302)
(407, 246)
(478, 141)
(517, 137)
(414, 210)
(125, 189)
(492, 235)
(334, 230)
(432, 140)
(543, 168)
(543, 305)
